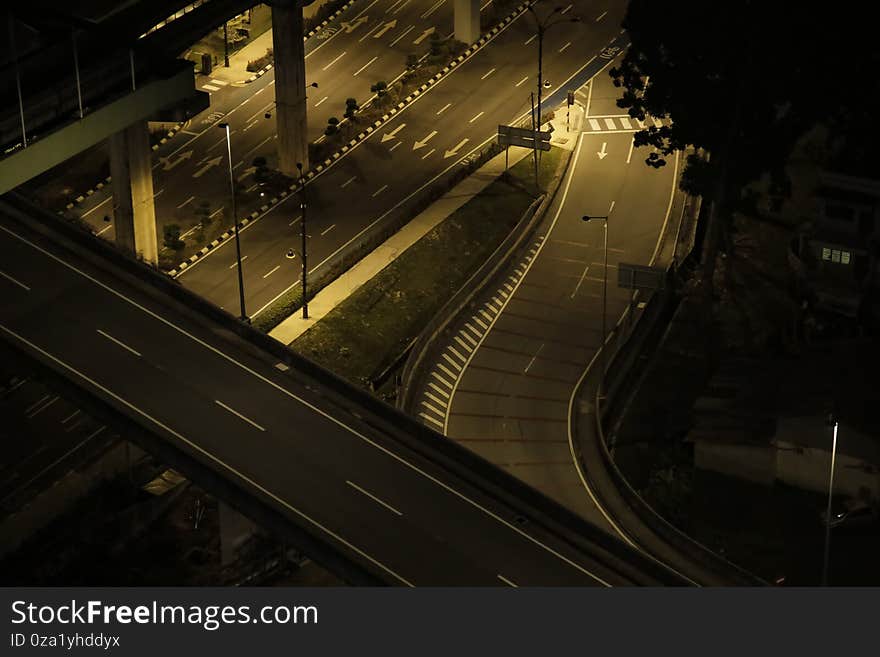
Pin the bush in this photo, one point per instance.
(171, 237)
(332, 126)
(351, 106)
(261, 62)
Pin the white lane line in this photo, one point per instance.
(433, 8)
(368, 33)
(444, 108)
(562, 49)
(202, 450)
(534, 358)
(220, 141)
(239, 415)
(262, 111)
(405, 3)
(322, 100)
(336, 59)
(370, 495)
(70, 417)
(306, 404)
(235, 264)
(395, 146)
(88, 212)
(391, 8)
(119, 342)
(521, 81)
(290, 224)
(271, 271)
(567, 9)
(380, 190)
(601, 16)
(407, 31)
(324, 232)
(250, 125)
(428, 153)
(611, 209)
(580, 281)
(531, 38)
(43, 407)
(35, 404)
(361, 69)
(507, 581)
(476, 117)
(632, 142)
(191, 198)
(216, 212)
(16, 281)
(486, 75)
(348, 182)
(366, 9)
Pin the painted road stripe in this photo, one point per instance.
(239, 415)
(431, 420)
(446, 370)
(235, 264)
(449, 359)
(486, 75)
(476, 117)
(13, 280)
(324, 232)
(441, 380)
(361, 69)
(438, 389)
(464, 345)
(373, 497)
(457, 353)
(119, 342)
(625, 122)
(594, 124)
(435, 399)
(433, 409)
(444, 108)
(507, 581)
(480, 322)
(336, 59)
(380, 190)
(42, 408)
(271, 271)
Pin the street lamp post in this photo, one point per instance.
(244, 317)
(305, 270)
(604, 219)
(543, 26)
(825, 562)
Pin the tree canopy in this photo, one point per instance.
(744, 80)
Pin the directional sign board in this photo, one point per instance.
(640, 277)
(512, 136)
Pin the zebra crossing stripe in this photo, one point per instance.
(481, 323)
(498, 301)
(468, 337)
(486, 315)
(446, 370)
(431, 420)
(435, 399)
(457, 353)
(609, 123)
(441, 380)
(452, 362)
(437, 389)
(464, 345)
(625, 122)
(594, 124)
(503, 293)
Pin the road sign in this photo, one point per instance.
(526, 133)
(504, 140)
(640, 277)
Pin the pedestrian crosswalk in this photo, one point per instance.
(214, 85)
(622, 123)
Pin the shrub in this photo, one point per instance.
(171, 237)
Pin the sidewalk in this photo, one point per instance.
(344, 286)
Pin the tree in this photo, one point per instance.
(380, 88)
(742, 81)
(351, 106)
(332, 126)
(171, 237)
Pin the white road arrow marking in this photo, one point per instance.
(170, 165)
(211, 163)
(246, 173)
(425, 35)
(455, 150)
(388, 136)
(389, 25)
(353, 25)
(603, 152)
(424, 142)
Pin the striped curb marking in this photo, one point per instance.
(177, 271)
(313, 32)
(449, 367)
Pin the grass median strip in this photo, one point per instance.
(367, 331)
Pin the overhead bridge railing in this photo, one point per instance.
(341, 395)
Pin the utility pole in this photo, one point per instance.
(305, 270)
(225, 45)
(244, 317)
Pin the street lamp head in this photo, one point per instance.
(299, 165)
(314, 84)
(591, 217)
(223, 126)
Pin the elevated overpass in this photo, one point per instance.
(368, 492)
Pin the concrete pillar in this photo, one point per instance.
(133, 209)
(290, 85)
(467, 20)
(235, 531)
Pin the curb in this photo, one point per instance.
(311, 33)
(312, 173)
(476, 285)
(101, 185)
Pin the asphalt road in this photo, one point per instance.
(364, 190)
(223, 402)
(505, 383)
